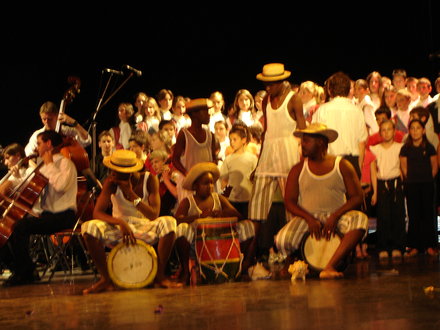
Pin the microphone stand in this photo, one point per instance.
(100, 105)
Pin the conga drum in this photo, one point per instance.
(132, 266)
(317, 253)
(218, 250)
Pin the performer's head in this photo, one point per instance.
(201, 178)
(48, 141)
(49, 115)
(12, 154)
(315, 139)
(123, 163)
(274, 78)
(198, 110)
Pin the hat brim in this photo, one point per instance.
(284, 76)
(330, 134)
(197, 170)
(131, 169)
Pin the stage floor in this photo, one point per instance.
(373, 295)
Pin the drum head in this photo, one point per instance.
(132, 266)
(317, 253)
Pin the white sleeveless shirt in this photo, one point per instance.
(281, 149)
(196, 152)
(321, 193)
(125, 209)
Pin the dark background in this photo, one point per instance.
(195, 51)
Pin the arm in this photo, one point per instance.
(373, 169)
(179, 149)
(291, 201)
(296, 111)
(434, 165)
(361, 153)
(354, 196)
(61, 175)
(228, 210)
(181, 214)
(167, 180)
(215, 147)
(404, 166)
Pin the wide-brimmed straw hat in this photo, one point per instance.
(318, 129)
(197, 104)
(124, 161)
(273, 72)
(197, 170)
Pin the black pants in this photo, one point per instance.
(390, 211)
(422, 226)
(48, 223)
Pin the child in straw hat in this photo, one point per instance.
(204, 203)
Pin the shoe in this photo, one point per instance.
(396, 254)
(258, 272)
(383, 255)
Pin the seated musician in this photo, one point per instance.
(316, 191)
(204, 203)
(134, 198)
(56, 207)
(18, 168)
(49, 114)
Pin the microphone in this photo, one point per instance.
(138, 72)
(119, 73)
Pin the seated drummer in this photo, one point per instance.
(316, 191)
(201, 179)
(134, 199)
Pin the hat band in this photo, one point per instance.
(131, 165)
(273, 75)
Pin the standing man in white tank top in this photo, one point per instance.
(283, 113)
(322, 192)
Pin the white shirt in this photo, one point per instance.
(348, 120)
(368, 108)
(237, 169)
(388, 161)
(61, 190)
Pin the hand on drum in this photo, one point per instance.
(315, 228)
(127, 234)
(329, 228)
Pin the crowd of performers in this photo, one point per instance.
(285, 162)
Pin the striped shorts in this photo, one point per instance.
(290, 236)
(149, 231)
(245, 230)
(262, 194)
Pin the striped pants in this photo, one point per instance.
(149, 231)
(245, 230)
(290, 236)
(262, 195)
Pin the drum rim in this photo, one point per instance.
(210, 220)
(139, 285)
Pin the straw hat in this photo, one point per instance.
(319, 129)
(197, 170)
(124, 161)
(273, 72)
(197, 104)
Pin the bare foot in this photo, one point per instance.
(167, 284)
(330, 274)
(100, 286)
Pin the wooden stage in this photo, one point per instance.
(373, 295)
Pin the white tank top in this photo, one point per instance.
(321, 193)
(194, 209)
(123, 208)
(196, 152)
(281, 149)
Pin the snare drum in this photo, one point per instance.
(317, 253)
(132, 266)
(218, 250)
